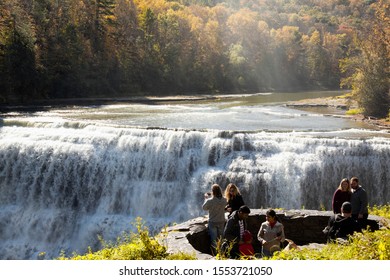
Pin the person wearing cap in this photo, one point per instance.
(235, 228)
(342, 225)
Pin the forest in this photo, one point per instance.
(51, 49)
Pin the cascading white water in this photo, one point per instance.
(61, 187)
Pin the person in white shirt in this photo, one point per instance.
(215, 204)
(271, 234)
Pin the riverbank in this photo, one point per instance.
(342, 104)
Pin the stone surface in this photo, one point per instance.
(304, 227)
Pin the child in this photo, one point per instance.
(246, 248)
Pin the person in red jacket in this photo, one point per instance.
(246, 247)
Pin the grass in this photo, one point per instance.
(141, 246)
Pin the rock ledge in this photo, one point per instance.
(304, 227)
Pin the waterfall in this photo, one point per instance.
(62, 186)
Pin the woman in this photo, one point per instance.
(343, 193)
(271, 234)
(233, 198)
(215, 204)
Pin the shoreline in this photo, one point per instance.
(342, 104)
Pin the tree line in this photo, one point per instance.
(53, 49)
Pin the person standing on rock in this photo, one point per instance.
(342, 194)
(215, 204)
(234, 198)
(359, 203)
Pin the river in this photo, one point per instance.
(71, 174)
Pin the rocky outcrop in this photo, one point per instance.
(304, 227)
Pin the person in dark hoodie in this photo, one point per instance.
(235, 228)
(342, 225)
(215, 204)
(359, 202)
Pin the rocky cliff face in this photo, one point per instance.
(304, 227)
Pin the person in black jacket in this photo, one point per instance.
(234, 198)
(234, 229)
(342, 225)
(359, 202)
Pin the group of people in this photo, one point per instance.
(233, 233)
(349, 205)
(350, 208)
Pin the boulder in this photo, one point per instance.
(304, 227)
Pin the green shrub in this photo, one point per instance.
(354, 111)
(133, 246)
(382, 211)
(361, 246)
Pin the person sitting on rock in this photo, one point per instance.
(234, 230)
(342, 225)
(271, 234)
(246, 247)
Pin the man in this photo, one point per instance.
(342, 225)
(359, 203)
(215, 204)
(234, 229)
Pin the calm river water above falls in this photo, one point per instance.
(255, 112)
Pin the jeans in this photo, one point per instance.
(215, 232)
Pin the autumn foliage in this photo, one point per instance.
(109, 48)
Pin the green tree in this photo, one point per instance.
(369, 67)
(318, 61)
(5, 21)
(150, 74)
(125, 37)
(18, 55)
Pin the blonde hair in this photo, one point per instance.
(227, 191)
(348, 187)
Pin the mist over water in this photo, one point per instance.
(68, 175)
